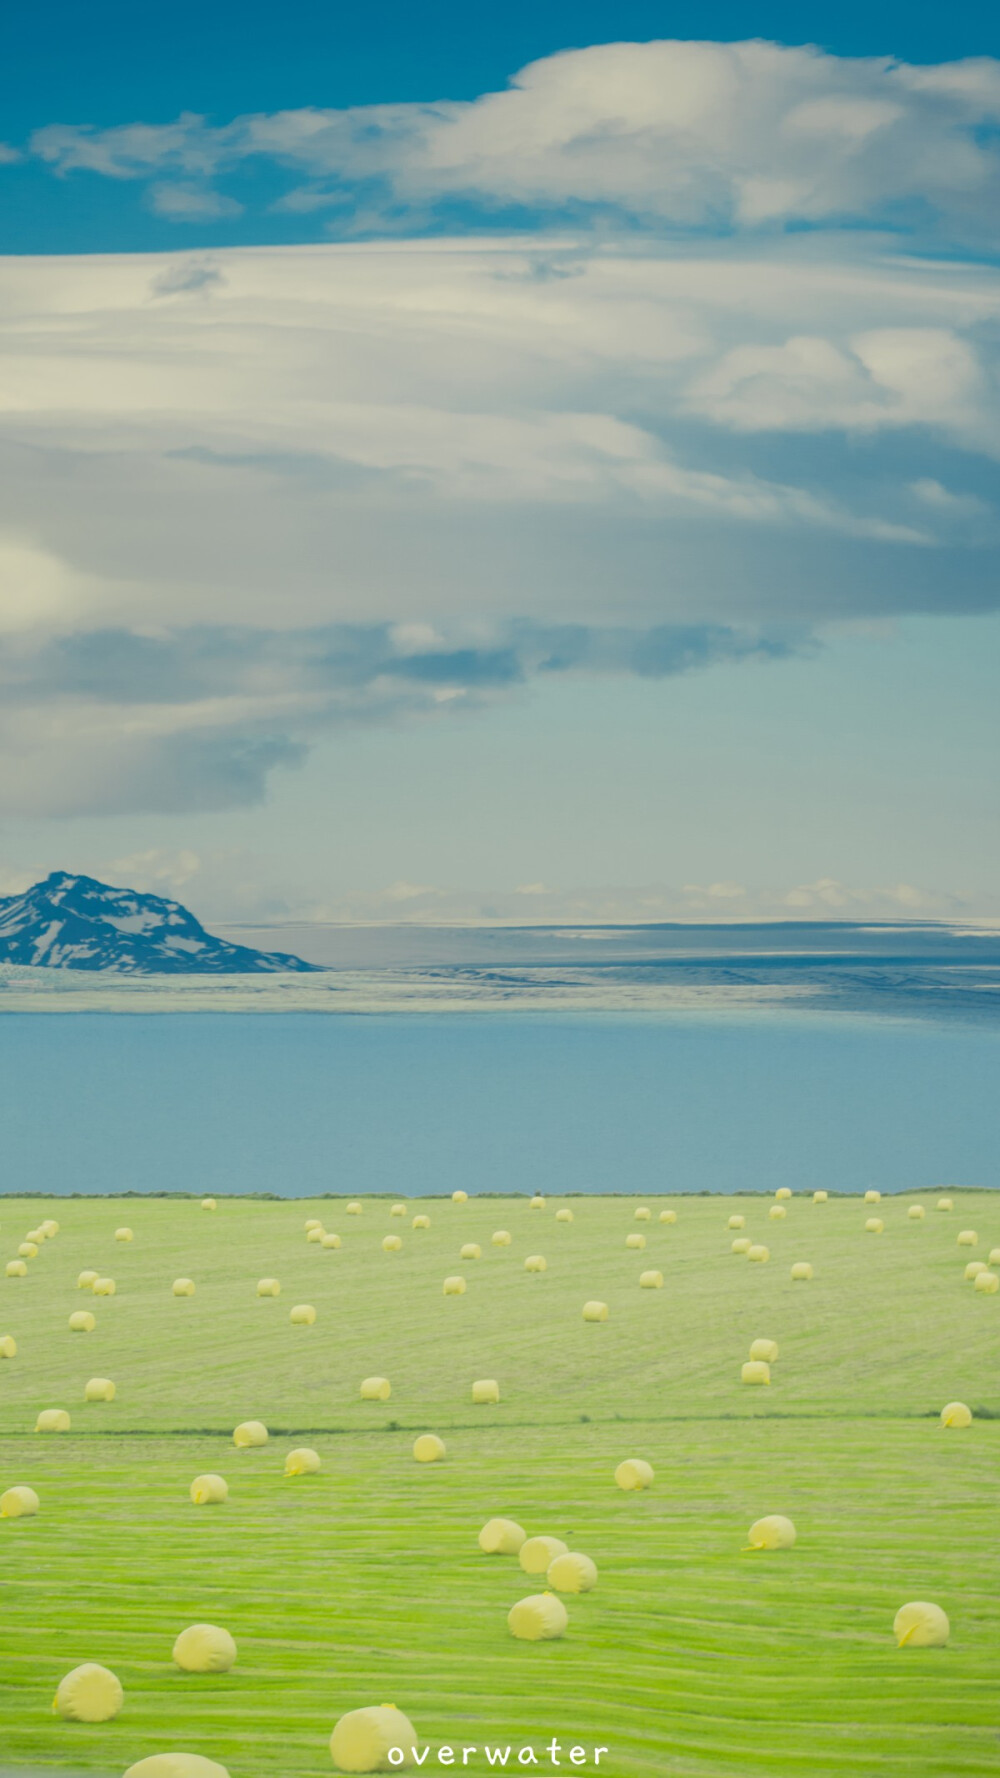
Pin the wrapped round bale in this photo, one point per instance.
(668, 1216)
(737, 1222)
(8, 1346)
(955, 1413)
(776, 1212)
(595, 1311)
(774, 1532)
(536, 1262)
(988, 1283)
(801, 1271)
(16, 1268)
(421, 1222)
(501, 1537)
(99, 1389)
(916, 1213)
(643, 1214)
(921, 1625)
(758, 1253)
(650, 1280)
(314, 1238)
(486, 1393)
(392, 1244)
(249, 1433)
(428, 1448)
(460, 1197)
(124, 1235)
(537, 1554)
(376, 1389)
(28, 1250)
(87, 1280)
(38, 1236)
(312, 1222)
(635, 1242)
(302, 1462)
(209, 1490)
(377, 1739)
(873, 1197)
(944, 1204)
(181, 1287)
(968, 1238)
(90, 1693)
(209, 1204)
(783, 1192)
(501, 1238)
(820, 1197)
(52, 1420)
(755, 1371)
(398, 1210)
(742, 1244)
(994, 1256)
(572, 1573)
(177, 1765)
(51, 1227)
(634, 1474)
(82, 1321)
(303, 1315)
(454, 1286)
(354, 1209)
(564, 1215)
(470, 1251)
(106, 1287)
(874, 1225)
(537, 1202)
(766, 1349)
(268, 1287)
(19, 1503)
(539, 1618)
(973, 1269)
(205, 1648)
(330, 1241)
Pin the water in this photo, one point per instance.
(300, 1103)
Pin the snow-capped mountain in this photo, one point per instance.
(69, 922)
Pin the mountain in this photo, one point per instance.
(71, 922)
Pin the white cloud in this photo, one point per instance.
(191, 203)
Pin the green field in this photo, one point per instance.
(364, 1584)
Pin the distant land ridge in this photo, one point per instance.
(74, 922)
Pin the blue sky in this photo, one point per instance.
(478, 466)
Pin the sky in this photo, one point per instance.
(536, 466)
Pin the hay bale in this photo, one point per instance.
(16, 1268)
(205, 1648)
(771, 1533)
(595, 1311)
(777, 1212)
(944, 1204)
(209, 1204)
(124, 1235)
(460, 1197)
(572, 1573)
(421, 1222)
(51, 1227)
(454, 1286)
(755, 1371)
(635, 1242)
(737, 1222)
(90, 1693)
(536, 1262)
(209, 1490)
(314, 1238)
(537, 1554)
(643, 1214)
(470, 1251)
(312, 1222)
(428, 1448)
(874, 1225)
(650, 1280)
(539, 1618)
(500, 1238)
(268, 1287)
(486, 1392)
(392, 1244)
(303, 1315)
(968, 1238)
(987, 1283)
(99, 1389)
(537, 1202)
(873, 1197)
(52, 1420)
(668, 1216)
(181, 1287)
(36, 1235)
(376, 1389)
(354, 1209)
(758, 1253)
(820, 1197)
(28, 1250)
(742, 1244)
(993, 1256)
(501, 1537)
(634, 1474)
(303, 1461)
(920, 1625)
(363, 1740)
(916, 1213)
(329, 1241)
(87, 1280)
(973, 1269)
(19, 1503)
(765, 1349)
(104, 1287)
(398, 1210)
(82, 1321)
(783, 1193)
(955, 1413)
(177, 1765)
(8, 1346)
(565, 1214)
(249, 1433)
(801, 1271)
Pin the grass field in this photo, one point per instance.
(365, 1584)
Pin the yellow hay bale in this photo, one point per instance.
(755, 1371)
(650, 1280)
(470, 1251)
(643, 1214)
(398, 1210)
(916, 1213)
(765, 1349)
(354, 1209)
(16, 1268)
(209, 1490)
(103, 1287)
(8, 1346)
(536, 1262)
(758, 1253)
(99, 1389)
(783, 1193)
(873, 1197)
(37, 1235)
(968, 1238)
(737, 1222)
(90, 1693)
(634, 1474)
(303, 1315)
(771, 1533)
(421, 1222)
(501, 1238)
(635, 1242)
(944, 1204)
(539, 1618)
(249, 1433)
(801, 1271)
(52, 1420)
(377, 1739)
(501, 1537)
(428, 1448)
(486, 1392)
(460, 1197)
(668, 1216)
(28, 1250)
(973, 1269)
(454, 1286)
(314, 1238)
(920, 1625)
(19, 1503)
(312, 1222)
(304, 1461)
(376, 1389)
(564, 1215)
(181, 1287)
(82, 1321)
(572, 1573)
(268, 1287)
(776, 1212)
(392, 1244)
(955, 1413)
(537, 1554)
(988, 1283)
(595, 1311)
(874, 1225)
(742, 1244)
(209, 1204)
(51, 1227)
(87, 1280)
(177, 1765)
(205, 1648)
(124, 1235)
(330, 1241)
(537, 1202)
(820, 1197)
(994, 1256)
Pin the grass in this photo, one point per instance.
(364, 1584)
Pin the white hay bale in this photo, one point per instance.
(124, 1235)
(209, 1490)
(99, 1389)
(501, 1537)
(460, 1197)
(755, 1371)
(944, 1204)
(820, 1197)
(634, 1474)
(82, 1321)
(470, 1251)
(205, 1648)
(668, 1216)
(572, 1573)
(537, 1202)
(921, 1625)
(19, 1503)
(643, 1213)
(421, 1222)
(87, 1280)
(376, 1739)
(90, 1693)
(104, 1287)
(501, 1238)
(354, 1209)
(52, 1420)
(765, 1349)
(454, 1286)
(330, 1241)
(303, 1315)
(742, 1244)
(774, 1532)
(968, 1238)
(249, 1434)
(209, 1204)
(428, 1448)
(987, 1283)
(737, 1221)
(536, 1262)
(916, 1213)
(955, 1413)
(635, 1243)
(392, 1244)
(539, 1618)
(777, 1212)
(565, 1214)
(801, 1271)
(650, 1280)
(398, 1210)
(537, 1554)
(8, 1346)
(16, 1268)
(758, 1253)
(595, 1311)
(486, 1392)
(180, 1287)
(874, 1225)
(873, 1197)
(177, 1765)
(376, 1389)
(303, 1461)
(268, 1287)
